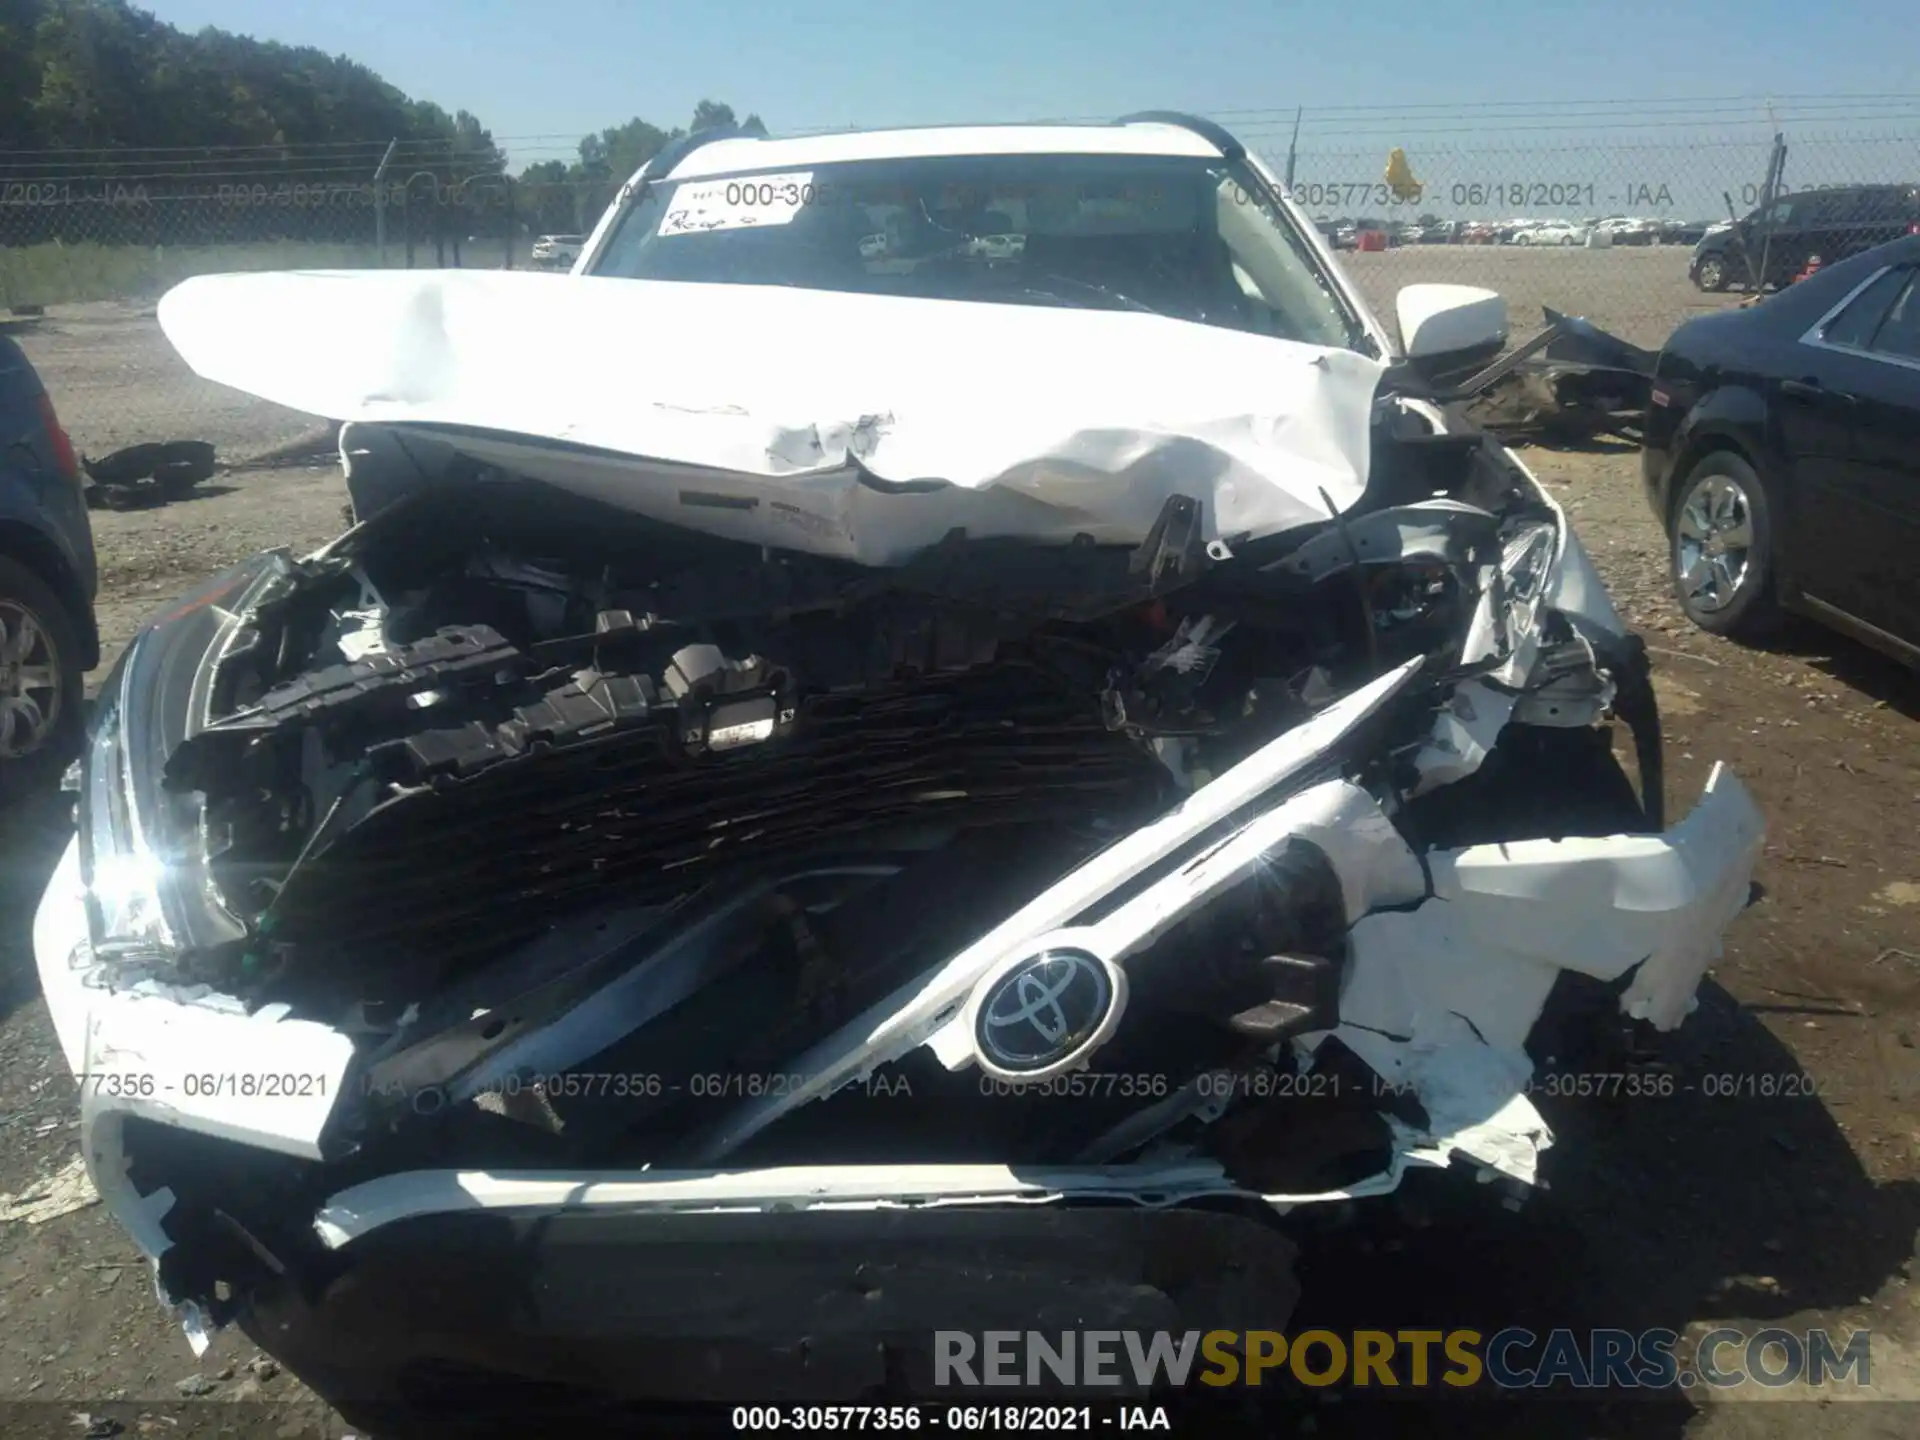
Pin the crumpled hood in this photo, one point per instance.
(861, 426)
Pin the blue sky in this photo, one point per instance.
(1489, 78)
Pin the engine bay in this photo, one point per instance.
(482, 713)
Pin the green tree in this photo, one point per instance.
(611, 157)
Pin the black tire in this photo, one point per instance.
(1713, 274)
(39, 764)
(1736, 599)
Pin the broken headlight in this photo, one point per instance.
(124, 914)
(143, 853)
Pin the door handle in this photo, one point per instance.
(1813, 390)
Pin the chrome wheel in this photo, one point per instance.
(1713, 542)
(29, 682)
(1713, 274)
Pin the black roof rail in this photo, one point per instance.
(1215, 135)
(674, 151)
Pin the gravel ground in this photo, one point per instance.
(118, 382)
(1640, 292)
(1684, 1212)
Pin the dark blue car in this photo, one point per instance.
(48, 640)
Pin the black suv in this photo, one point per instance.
(1832, 223)
(48, 640)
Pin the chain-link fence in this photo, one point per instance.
(1605, 228)
(85, 255)
(1609, 231)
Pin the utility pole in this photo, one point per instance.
(407, 191)
(380, 202)
(1776, 181)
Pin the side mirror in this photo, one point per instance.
(1450, 329)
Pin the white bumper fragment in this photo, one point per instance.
(1505, 919)
(183, 1056)
(190, 1059)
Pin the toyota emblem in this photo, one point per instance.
(1043, 1009)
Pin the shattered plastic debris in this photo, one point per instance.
(149, 474)
(69, 1189)
(1190, 652)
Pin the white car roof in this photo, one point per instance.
(726, 157)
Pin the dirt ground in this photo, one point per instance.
(116, 381)
(1639, 292)
(1768, 1206)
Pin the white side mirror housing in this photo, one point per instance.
(1437, 320)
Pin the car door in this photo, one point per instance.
(1875, 216)
(1848, 411)
(1824, 225)
(1887, 466)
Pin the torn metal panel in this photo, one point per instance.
(1506, 919)
(1464, 731)
(917, 1013)
(1473, 1094)
(354, 1213)
(1447, 532)
(1582, 383)
(782, 416)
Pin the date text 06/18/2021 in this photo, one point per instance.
(967, 1419)
(1261, 1084)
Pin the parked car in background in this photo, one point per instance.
(1552, 232)
(557, 251)
(48, 640)
(1479, 232)
(1629, 229)
(1688, 232)
(997, 247)
(1772, 244)
(1782, 454)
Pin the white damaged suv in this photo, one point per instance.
(975, 737)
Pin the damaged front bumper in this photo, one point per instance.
(1451, 962)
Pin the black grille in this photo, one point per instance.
(466, 867)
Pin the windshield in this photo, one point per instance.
(1194, 239)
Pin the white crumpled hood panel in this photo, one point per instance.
(1040, 421)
